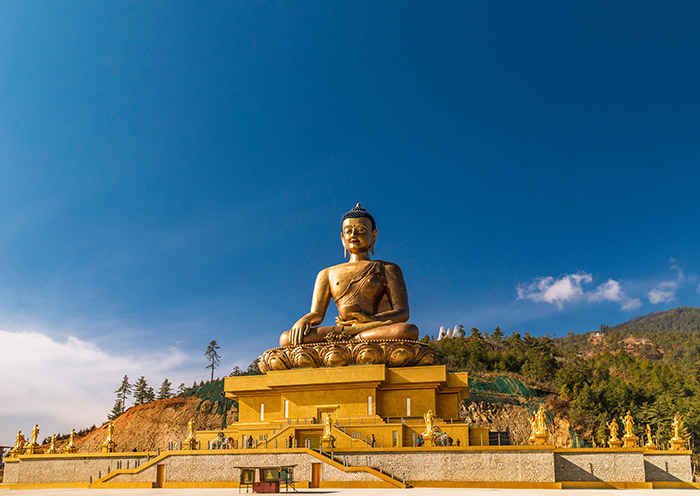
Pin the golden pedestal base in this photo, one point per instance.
(540, 438)
(33, 449)
(677, 443)
(109, 447)
(393, 353)
(630, 441)
(70, 449)
(614, 443)
(364, 400)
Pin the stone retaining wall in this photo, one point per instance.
(597, 466)
(662, 467)
(222, 467)
(65, 468)
(491, 465)
(506, 464)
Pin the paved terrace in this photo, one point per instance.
(358, 492)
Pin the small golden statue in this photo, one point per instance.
(677, 441)
(629, 439)
(52, 447)
(328, 438)
(431, 430)
(71, 447)
(191, 441)
(373, 312)
(650, 443)
(538, 424)
(33, 447)
(614, 441)
(18, 448)
(109, 446)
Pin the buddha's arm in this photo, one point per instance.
(398, 296)
(319, 304)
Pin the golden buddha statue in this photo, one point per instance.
(52, 446)
(677, 441)
(629, 439)
(372, 302)
(328, 439)
(650, 445)
(109, 446)
(538, 424)
(370, 295)
(71, 447)
(191, 440)
(18, 448)
(33, 446)
(613, 441)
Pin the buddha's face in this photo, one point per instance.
(357, 235)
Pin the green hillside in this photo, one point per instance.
(649, 366)
(671, 336)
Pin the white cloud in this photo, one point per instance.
(565, 289)
(632, 304)
(610, 291)
(70, 383)
(569, 289)
(663, 292)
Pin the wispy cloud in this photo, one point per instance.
(612, 291)
(569, 288)
(665, 291)
(68, 383)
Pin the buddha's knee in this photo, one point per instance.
(410, 331)
(284, 339)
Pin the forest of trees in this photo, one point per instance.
(601, 378)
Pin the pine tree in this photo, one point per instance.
(116, 410)
(181, 388)
(165, 392)
(213, 357)
(140, 391)
(150, 395)
(123, 392)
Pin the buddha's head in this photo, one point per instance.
(358, 231)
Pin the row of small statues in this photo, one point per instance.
(22, 447)
(540, 434)
(629, 440)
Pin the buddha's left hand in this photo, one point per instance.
(355, 318)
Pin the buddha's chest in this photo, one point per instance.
(363, 281)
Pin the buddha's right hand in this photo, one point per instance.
(300, 329)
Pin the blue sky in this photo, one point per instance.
(176, 173)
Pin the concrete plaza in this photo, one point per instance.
(356, 492)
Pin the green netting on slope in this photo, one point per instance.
(214, 393)
(503, 389)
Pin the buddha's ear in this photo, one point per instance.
(345, 248)
(374, 240)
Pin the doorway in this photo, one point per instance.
(160, 475)
(315, 475)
